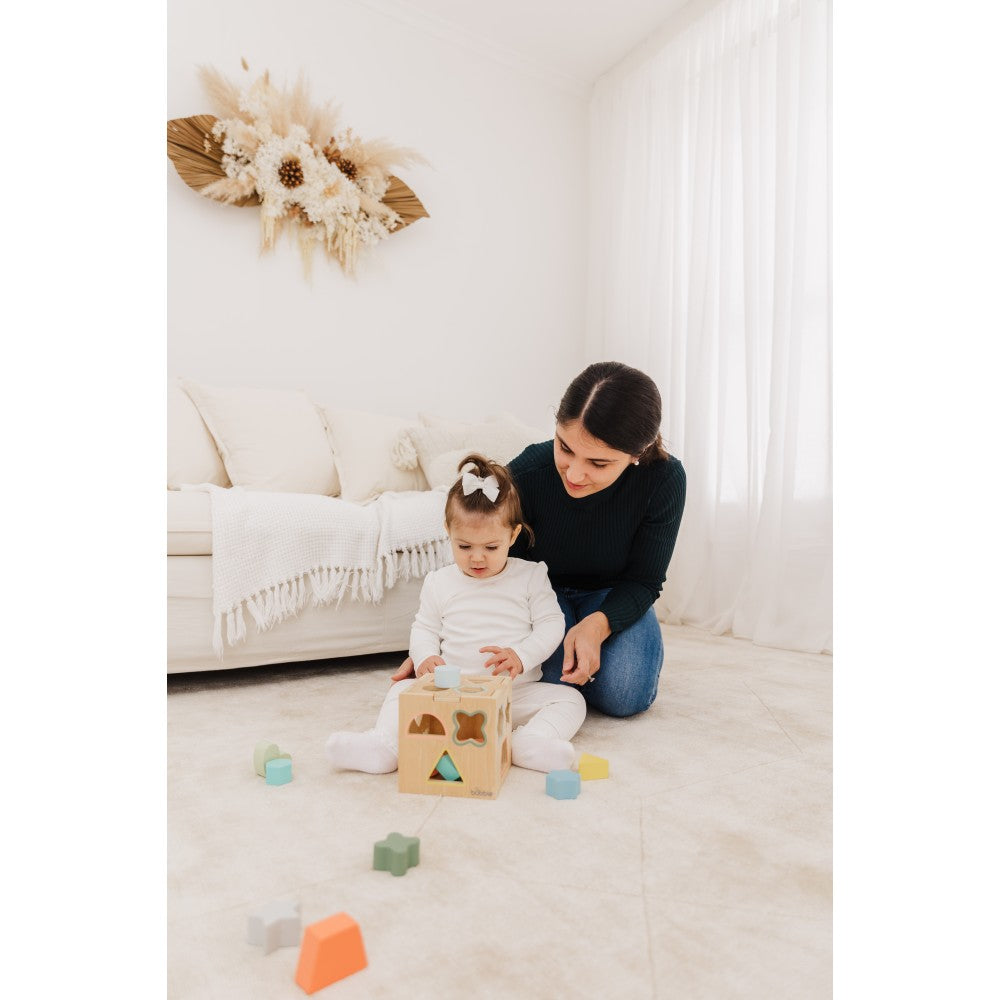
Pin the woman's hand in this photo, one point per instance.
(405, 670)
(503, 658)
(429, 664)
(582, 648)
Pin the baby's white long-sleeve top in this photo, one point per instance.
(459, 615)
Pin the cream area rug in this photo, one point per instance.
(700, 869)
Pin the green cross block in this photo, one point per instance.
(396, 853)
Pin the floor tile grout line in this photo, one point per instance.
(645, 901)
(770, 713)
(423, 822)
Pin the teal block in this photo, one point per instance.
(264, 751)
(447, 677)
(562, 784)
(396, 854)
(278, 771)
(446, 768)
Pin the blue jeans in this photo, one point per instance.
(630, 660)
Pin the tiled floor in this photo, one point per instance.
(700, 869)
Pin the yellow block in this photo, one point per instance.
(592, 767)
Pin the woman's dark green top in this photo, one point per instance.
(621, 537)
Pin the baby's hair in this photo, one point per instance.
(507, 504)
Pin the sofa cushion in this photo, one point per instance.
(189, 523)
(440, 446)
(191, 453)
(269, 439)
(362, 447)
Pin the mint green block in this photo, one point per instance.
(396, 854)
(278, 771)
(264, 751)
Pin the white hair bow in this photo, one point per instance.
(489, 486)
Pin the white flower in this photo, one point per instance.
(326, 205)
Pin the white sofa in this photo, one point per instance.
(283, 441)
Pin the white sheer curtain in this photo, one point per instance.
(710, 271)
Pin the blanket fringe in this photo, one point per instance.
(269, 607)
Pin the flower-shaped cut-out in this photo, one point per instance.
(469, 728)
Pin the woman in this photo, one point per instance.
(604, 500)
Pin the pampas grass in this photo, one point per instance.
(223, 94)
(342, 194)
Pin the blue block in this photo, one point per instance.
(562, 784)
(447, 677)
(278, 771)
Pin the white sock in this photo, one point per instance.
(541, 753)
(361, 752)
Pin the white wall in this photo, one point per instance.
(478, 309)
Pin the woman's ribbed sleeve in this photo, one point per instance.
(640, 584)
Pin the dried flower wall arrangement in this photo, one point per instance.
(274, 149)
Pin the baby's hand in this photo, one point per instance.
(429, 664)
(503, 658)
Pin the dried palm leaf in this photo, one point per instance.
(256, 121)
(404, 203)
(197, 155)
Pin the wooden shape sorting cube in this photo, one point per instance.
(331, 949)
(469, 723)
(592, 767)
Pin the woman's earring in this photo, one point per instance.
(635, 461)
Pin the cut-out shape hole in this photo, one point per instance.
(445, 770)
(471, 688)
(426, 725)
(505, 754)
(469, 728)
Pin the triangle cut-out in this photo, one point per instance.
(445, 770)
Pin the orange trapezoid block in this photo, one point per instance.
(331, 949)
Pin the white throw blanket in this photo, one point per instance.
(269, 550)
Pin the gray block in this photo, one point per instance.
(275, 925)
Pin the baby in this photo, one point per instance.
(486, 612)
